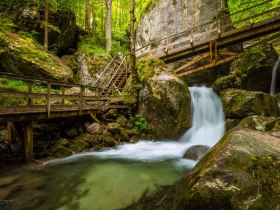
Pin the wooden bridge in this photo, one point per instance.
(59, 100)
(208, 40)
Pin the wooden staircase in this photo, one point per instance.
(112, 79)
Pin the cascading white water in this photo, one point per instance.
(207, 129)
(273, 78)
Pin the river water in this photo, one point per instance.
(114, 178)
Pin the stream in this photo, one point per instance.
(114, 178)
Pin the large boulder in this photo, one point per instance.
(260, 123)
(241, 103)
(22, 56)
(240, 172)
(29, 16)
(252, 71)
(90, 64)
(165, 102)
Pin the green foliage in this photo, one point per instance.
(6, 24)
(89, 46)
(238, 5)
(138, 122)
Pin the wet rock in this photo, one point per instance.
(114, 128)
(196, 152)
(231, 123)
(229, 81)
(60, 151)
(7, 191)
(8, 181)
(124, 136)
(34, 183)
(259, 123)
(165, 102)
(94, 129)
(240, 103)
(240, 172)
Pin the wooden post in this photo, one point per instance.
(11, 132)
(98, 98)
(28, 141)
(63, 93)
(81, 99)
(49, 99)
(29, 102)
(216, 50)
(211, 51)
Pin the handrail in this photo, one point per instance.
(106, 68)
(207, 23)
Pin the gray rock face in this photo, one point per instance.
(169, 17)
(94, 129)
(165, 102)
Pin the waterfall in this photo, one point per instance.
(207, 128)
(273, 78)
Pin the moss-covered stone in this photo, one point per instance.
(241, 103)
(252, 71)
(165, 102)
(23, 56)
(240, 172)
(259, 123)
(148, 67)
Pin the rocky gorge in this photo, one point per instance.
(242, 171)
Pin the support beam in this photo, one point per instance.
(11, 131)
(28, 141)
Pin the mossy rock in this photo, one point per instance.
(165, 102)
(251, 71)
(259, 123)
(23, 56)
(240, 172)
(148, 67)
(241, 103)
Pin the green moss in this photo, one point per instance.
(148, 67)
(266, 172)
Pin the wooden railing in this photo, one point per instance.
(55, 97)
(213, 30)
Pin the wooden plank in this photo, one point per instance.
(208, 66)
(205, 55)
(8, 94)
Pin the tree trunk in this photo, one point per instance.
(93, 23)
(46, 35)
(132, 43)
(87, 15)
(108, 25)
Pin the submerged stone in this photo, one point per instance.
(196, 152)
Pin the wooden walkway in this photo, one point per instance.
(58, 100)
(42, 100)
(215, 35)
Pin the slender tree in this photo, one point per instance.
(132, 42)
(46, 28)
(108, 25)
(87, 15)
